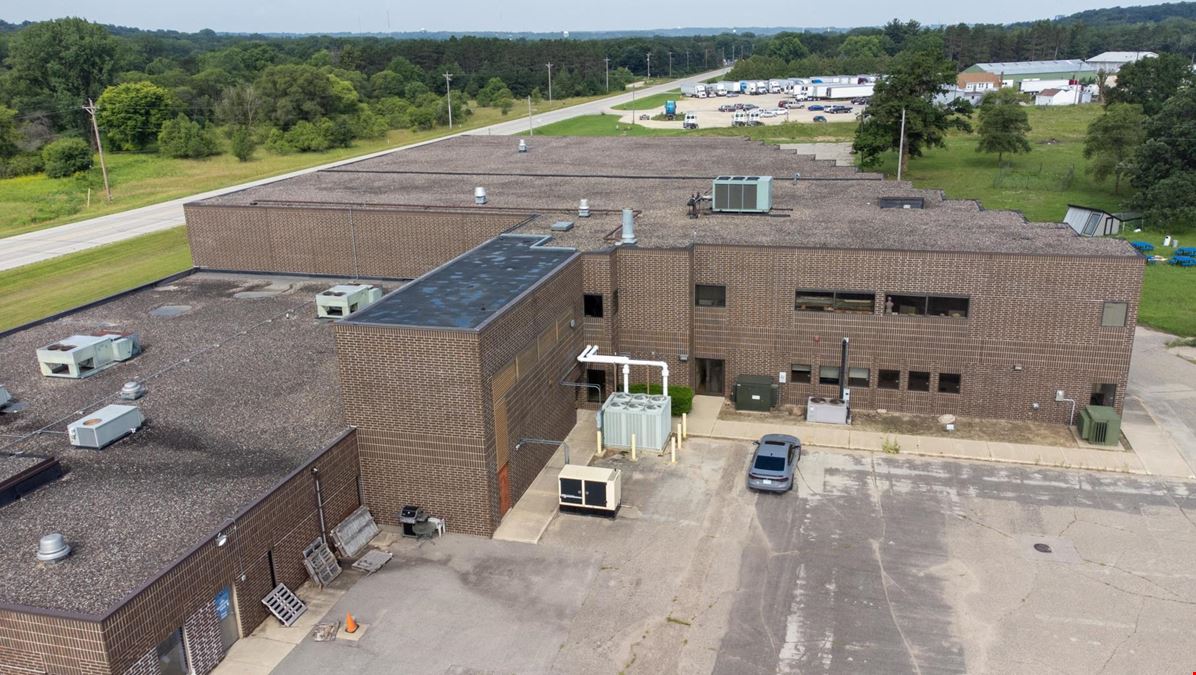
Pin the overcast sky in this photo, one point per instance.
(313, 16)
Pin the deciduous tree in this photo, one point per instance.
(1112, 140)
(1164, 169)
(1150, 82)
(1003, 124)
(132, 114)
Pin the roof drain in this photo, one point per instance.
(628, 227)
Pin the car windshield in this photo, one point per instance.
(766, 463)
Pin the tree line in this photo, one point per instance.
(194, 94)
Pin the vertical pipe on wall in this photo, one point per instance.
(320, 504)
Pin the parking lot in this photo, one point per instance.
(874, 563)
(708, 113)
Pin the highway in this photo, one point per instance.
(55, 241)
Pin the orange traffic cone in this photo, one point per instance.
(350, 623)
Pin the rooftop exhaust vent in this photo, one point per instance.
(52, 548)
(132, 391)
(105, 426)
(344, 299)
(5, 397)
(583, 208)
(82, 355)
(628, 227)
(522, 145)
(742, 194)
(479, 195)
(562, 226)
(902, 202)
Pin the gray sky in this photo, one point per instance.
(311, 16)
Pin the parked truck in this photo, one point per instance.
(720, 89)
(700, 91)
(690, 122)
(743, 86)
(775, 86)
(847, 91)
(670, 109)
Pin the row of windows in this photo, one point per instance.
(861, 378)
(859, 302)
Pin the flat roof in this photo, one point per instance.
(242, 390)
(1036, 67)
(828, 206)
(470, 289)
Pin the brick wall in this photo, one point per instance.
(1039, 313)
(337, 241)
(182, 596)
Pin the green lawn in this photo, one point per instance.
(34, 291)
(1168, 292)
(609, 125)
(653, 101)
(31, 203)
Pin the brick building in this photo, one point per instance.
(431, 395)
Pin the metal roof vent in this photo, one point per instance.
(522, 145)
(132, 391)
(479, 195)
(52, 548)
(583, 208)
(5, 397)
(628, 226)
(901, 202)
(562, 226)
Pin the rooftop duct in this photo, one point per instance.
(52, 548)
(522, 145)
(479, 195)
(583, 208)
(628, 227)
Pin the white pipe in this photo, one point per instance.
(590, 355)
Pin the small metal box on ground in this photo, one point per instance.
(1100, 424)
(105, 426)
(755, 392)
(590, 489)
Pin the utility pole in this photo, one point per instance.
(649, 65)
(670, 65)
(550, 82)
(607, 62)
(91, 110)
(530, 130)
(901, 145)
(448, 91)
(686, 60)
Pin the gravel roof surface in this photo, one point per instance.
(11, 465)
(222, 429)
(829, 207)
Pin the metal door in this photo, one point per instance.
(710, 377)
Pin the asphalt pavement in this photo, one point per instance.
(55, 241)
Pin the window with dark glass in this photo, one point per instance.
(905, 304)
(941, 305)
(858, 377)
(888, 379)
(710, 296)
(172, 657)
(949, 383)
(592, 304)
(1113, 314)
(800, 373)
(919, 380)
(828, 375)
(833, 301)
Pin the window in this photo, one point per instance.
(172, 658)
(593, 305)
(949, 383)
(833, 301)
(800, 373)
(828, 375)
(919, 380)
(947, 306)
(927, 305)
(858, 377)
(888, 379)
(770, 464)
(710, 296)
(1113, 314)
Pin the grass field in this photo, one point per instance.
(31, 203)
(653, 101)
(1168, 292)
(34, 291)
(609, 125)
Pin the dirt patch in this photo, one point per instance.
(1005, 431)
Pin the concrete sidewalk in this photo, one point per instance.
(1151, 459)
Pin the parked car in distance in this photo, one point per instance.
(768, 113)
(727, 107)
(773, 463)
(732, 94)
(815, 107)
(819, 118)
(750, 106)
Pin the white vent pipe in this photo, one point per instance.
(522, 145)
(583, 208)
(590, 355)
(479, 195)
(628, 226)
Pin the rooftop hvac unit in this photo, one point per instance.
(590, 489)
(827, 411)
(82, 355)
(5, 397)
(649, 418)
(344, 299)
(742, 194)
(105, 426)
(1100, 424)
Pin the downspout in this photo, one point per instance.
(320, 505)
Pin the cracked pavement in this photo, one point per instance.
(874, 563)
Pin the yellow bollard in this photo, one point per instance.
(633, 448)
(673, 456)
(684, 427)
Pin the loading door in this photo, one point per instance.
(711, 373)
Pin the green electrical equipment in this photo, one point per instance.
(1100, 424)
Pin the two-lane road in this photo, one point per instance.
(55, 241)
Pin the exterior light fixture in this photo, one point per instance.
(221, 539)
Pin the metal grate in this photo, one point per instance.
(372, 561)
(284, 605)
(320, 563)
(354, 532)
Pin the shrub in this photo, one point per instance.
(890, 446)
(683, 397)
(243, 143)
(66, 157)
(307, 137)
(23, 164)
(182, 138)
(277, 143)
